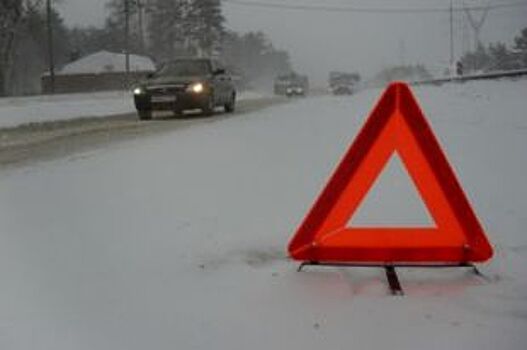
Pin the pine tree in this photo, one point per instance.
(501, 57)
(254, 56)
(478, 60)
(11, 17)
(520, 44)
(165, 27)
(206, 20)
(115, 26)
(185, 27)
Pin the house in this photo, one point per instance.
(100, 71)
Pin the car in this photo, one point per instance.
(291, 84)
(342, 83)
(183, 84)
(342, 89)
(295, 90)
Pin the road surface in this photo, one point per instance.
(178, 240)
(43, 141)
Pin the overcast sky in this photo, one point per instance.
(321, 41)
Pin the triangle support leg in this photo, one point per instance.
(393, 280)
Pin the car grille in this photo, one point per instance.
(164, 90)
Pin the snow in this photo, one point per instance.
(382, 205)
(107, 62)
(17, 111)
(178, 241)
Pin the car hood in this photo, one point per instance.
(175, 80)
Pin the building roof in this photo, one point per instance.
(107, 62)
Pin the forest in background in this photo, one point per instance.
(159, 29)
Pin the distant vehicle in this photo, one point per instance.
(181, 84)
(291, 85)
(341, 83)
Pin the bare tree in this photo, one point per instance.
(12, 16)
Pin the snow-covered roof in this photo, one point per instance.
(106, 62)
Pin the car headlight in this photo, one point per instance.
(139, 91)
(196, 88)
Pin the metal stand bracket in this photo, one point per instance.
(391, 274)
(393, 280)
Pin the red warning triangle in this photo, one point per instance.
(395, 125)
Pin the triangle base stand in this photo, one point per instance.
(391, 273)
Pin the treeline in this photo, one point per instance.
(412, 72)
(497, 56)
(160, 29)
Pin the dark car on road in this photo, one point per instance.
(291, 85)
(183, 84)
(341, 83)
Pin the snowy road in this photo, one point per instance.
(20, 111)
(177, 241)
(78, 131)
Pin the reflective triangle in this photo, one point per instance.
(395, 125)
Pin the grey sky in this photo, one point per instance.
(322, 41)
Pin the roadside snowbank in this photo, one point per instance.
(16, 111)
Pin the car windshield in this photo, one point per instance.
(342, 80)
(184, 68)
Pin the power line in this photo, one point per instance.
(368, 10)
(476, 25)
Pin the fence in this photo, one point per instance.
(462, 78)
(90, 82)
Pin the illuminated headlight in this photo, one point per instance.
(289, 90)
(299, 90)
(196, 88)
(139, 91)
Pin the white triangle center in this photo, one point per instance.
(393, 201)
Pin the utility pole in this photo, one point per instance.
(402, 52)
(451, 35)
(50, 47)
(127, 39)
(140, 6)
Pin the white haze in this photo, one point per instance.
(322, 41)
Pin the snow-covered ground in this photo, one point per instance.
(178, 241)
(16, 111)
